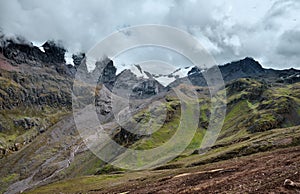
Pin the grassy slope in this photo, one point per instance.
(102, 183)
(235, 140)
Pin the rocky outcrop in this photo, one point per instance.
(291, 184)
(108, 76)
(54, 53)
(22, 52)
(23, 90)
(147, 88)
(194, 70)
(244, 68)
(29, 54)
(25, 123)
(129, 85)
(104, 72)
(251, 90)
(125, 84)
(78, 59)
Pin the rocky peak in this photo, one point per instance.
(127, 74)
(25, 52)
(109, 74)
(194, 70)
(78, 58)
(139, 68)
(244, 68)
(21, 53)
(54, 51)
(104, 72)
(128, 84)
(247, 66)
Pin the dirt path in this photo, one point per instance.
(260, 173)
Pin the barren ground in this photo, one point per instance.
(259, 173)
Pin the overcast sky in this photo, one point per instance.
(268, 30)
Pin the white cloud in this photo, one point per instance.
(229, 29)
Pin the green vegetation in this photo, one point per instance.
(14, 133)
(260, 142)
(259, 118)
(78, 185)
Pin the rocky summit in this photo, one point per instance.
(245, 68)
(41, 150)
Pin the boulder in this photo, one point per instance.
(26, 123)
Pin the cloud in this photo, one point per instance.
(228, 29)
(289, 43)
(80, 25)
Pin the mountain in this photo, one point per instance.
(42, 152)
(245, 68)
(127, 83)
(171, 77)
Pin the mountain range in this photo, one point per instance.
(42, 152)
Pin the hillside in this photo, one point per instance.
(42, 151)
(229, 165)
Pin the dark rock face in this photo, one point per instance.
(104, 72)
(146, 88)
(129, 85)
(247, 67)
(78, 58)
(194, 70)
(289, 76)
(24, 53)
(197, 79)
(109, 74)
(28, 89)
(54, 53)
(126, 84)
(103, 103)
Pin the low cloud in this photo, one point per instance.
(229, 29)
(289, 43)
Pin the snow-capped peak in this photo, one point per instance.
(137, 70)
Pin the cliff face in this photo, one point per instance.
(22, 89)
(24, 53)
(125, 84)
(129, 85)
(30, 77)
(53, 53)
(35, 91)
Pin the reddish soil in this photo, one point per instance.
(259, 173)
(5, 65)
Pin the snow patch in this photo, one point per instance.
(139, 73)
(41, 49)
(183, 72)
(68, 58)
(165, 80)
